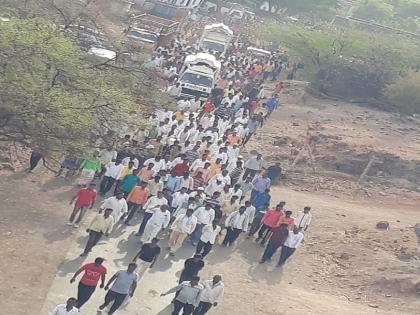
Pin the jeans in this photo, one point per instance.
(286, 252)
(256, 223)
(84, 292)
(146, 218)
(263, 232)
(249, 173)
(106, 184)
(178, 306)
(195, 236)
(206, 246)
(94, 238)
(269, 251)
(231, 236)
(81, 211)
(118, 299)
(202, 308)
(132, 209)
(34, 159)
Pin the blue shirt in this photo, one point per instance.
(173, 184)
(273, 172)
(272, 104)
(261, 199)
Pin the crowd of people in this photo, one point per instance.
(186, 173)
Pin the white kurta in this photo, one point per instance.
(158, 221)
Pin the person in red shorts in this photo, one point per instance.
(84, 198)
(87, 285)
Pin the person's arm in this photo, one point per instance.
(78, 272)
(108, 228)
(138, 254)
(154, 260)
(74, 198)
(166, 223)
(54, 311)
(91, 223)
(111, 280)
(102, 280)
(219, 295)
(92, 202)
(173, 290)
(82, 164)
(133, 288)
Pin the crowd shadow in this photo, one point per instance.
(166, 311)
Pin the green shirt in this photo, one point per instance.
(129, 182)
(94, 165)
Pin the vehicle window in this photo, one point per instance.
(197, 79)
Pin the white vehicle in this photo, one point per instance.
(254, 51)
(216, 38)
(198, 75)
(102, 53)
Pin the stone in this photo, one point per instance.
(373, 305)
(382, 225)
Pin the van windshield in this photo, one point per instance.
(197, 79)
(214, 46)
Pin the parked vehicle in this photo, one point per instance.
(216, 38)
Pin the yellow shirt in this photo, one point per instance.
(101, 224)
(125, 171)
(179, 116)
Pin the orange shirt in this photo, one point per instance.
(272, 217)
(289, 221)
(233, 139)
(138, 195)
(146, 174)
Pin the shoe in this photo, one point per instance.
(262, 261)
(69, 223)
(171, 254)
(83, 254)
(75, 226)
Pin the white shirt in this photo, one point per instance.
(237, 193)
(60, 309)
(184, 223)
(198, 163)
(254, 164)
(250, 212)
(232, 152)
(294, 240)
(179, 199)
(237, 221)
(303, 219)
(127, 160)
(154, 202)
(118, 206)
(113, 170)
(209, 234)
(212, 187)
(158, 165)
(160, 218)
(212, 293)
(106, 156)
(220, 155)
(204, 216)
(187, 182)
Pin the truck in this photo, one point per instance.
(199, 75)
(216, 38)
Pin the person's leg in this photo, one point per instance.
(235, 235)
(266, 236)
(103, 184)
(252, 173)
(81, 214)
(262, 231)
(253, 194)
(146, 218)
(246, 173)
(173, 240)
(195, 236)
(268, 252)
(119, 299)
(84, 292)
(142, 267)
(34, 160)
(200, 247)
(228, 236)
(207, 249)
(94, 238)
(286, 252)
(179, 241)
(117, 186)
(74, 213)
(177, 307)
(255, 225)
(109, 297)
(132, 209)
(188, 309)
(202, 308)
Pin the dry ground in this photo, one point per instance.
(346, 265)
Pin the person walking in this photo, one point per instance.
(124, 284)
(192, 267)
(205, 215)
(183, 226)
(236, 223)
(136, 199)
(303, 218)
(129, 182)
(118, 205)
(100, 225)
(277, 239)
(147, 256)
(152, 204)
(253, 166)
(66, 309)
(260, 184)
(84, 198)
(211, 295)
(269, 221)
(158, 221)
(112, 173)
(208, 238)
(188, 296)
(89, 168)
(293, 241)
(87, 284)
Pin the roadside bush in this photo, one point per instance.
(404, 93)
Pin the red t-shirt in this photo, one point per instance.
(92, 274)
(180, 169)
(208, 107)
(85, 197)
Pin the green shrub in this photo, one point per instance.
(404, 93)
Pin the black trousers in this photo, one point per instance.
(94, 238)
(118, 299)
(146, 218)
(249, 173)
(202, 308)
(81, 211)
(84, 292)
(132, 209)
(106, 184)
(286, 252)
(231, 236)
(263, 233)
(34, 159)
(203, 248)
(178, 306)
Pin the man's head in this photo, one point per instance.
(248, 180)
(71, 302)
(131, 267)
(107, 212)
(150, 166)
(183, 190)
(197, 257)
(143, 185)
(163, 208)
(135, 172)
(91, 186)
(217, 279)
(306, 209)
(154, 241)
(296, 229)
(189, 212)
(259, 156)
(242, 209)
(99, 261)
(130, 164)
(233, 199)
(248, 203)
(267, 191)
(288, 213)
(194, 280)
(119, 195)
